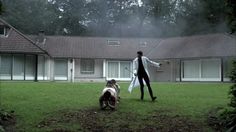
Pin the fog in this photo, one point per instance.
(118, 18)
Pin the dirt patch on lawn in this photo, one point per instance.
(7, 121)
(98, 120)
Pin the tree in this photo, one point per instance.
(120, 18)
(230, 115)
(1, 7)
(69, 16)
(231, 14)
(29, 16)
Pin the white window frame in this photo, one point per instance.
(4, 32)
(58, 78)
(87, 72)
(18, 76)
(45, 69)
(6, 76)
(28, 77)
(200, 72)
(119, 78)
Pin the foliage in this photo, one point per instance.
(231, 14)
(227, 117)
(1, 7)
(231, 123)
(122, 18)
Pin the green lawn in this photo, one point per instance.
(34, 102)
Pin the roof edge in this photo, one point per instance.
(31, 41)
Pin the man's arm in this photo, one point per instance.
(135, 66)
(153, 63)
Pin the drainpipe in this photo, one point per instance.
(72, 70)
(222, 69)
(104, 69)
(180, 66)
(36, 68)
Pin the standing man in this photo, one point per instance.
(140, 70)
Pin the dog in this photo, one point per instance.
(117, 88)
(108, 97)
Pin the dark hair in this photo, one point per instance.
(140, 53)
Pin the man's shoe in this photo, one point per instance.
(154, 98)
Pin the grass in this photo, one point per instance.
(35, 101)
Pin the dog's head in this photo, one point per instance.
(109, 84)
(113, 81)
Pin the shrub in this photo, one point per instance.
(231, 115)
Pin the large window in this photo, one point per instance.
(124, 69)
(201, 70)
(61, 69)
(119, 70)
(5, 67)
(42, 68)
(87, 66)
(191, 69)
(210, 68)
(113, 69)
(30, 67)
(227, 65)
(22, 67)
(18, 67)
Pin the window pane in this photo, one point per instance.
(41, 67)
(191, 69)
(177, 70)
(18, 67)
(210, 68)
(60, 69)
(112, 69)
(87, 66)
(2, 30)
(46, 68)
(227, 65)
(124, 69)
(30, 67)
(5, 67)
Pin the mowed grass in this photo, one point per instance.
(35, 101)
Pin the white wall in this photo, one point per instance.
(96, 76)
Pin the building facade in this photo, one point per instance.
(66, 58)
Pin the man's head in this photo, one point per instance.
(139, 53)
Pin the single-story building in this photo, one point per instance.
(19, 55)
(75, 58)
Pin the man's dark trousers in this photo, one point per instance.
(143, 75)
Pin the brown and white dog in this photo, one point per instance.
(108, 97)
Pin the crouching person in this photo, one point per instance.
(108, 97)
